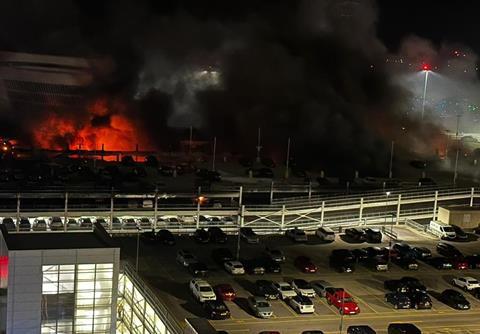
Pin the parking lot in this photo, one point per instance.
(170, 280)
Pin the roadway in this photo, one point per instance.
(169, 280)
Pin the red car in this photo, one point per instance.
(225, 292)
(342, 300)
(305, 264)
(460, 263)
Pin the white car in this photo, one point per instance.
(320, 286)
(325, 234)
(186, 258)
(201, 290)
(297, 235)
(466, 283)
(303, 288)
(234, 267)
(285, 290)
(302, 304)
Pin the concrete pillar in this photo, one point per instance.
(322, 214)
(198, 214)
(240, 196)
(310, 190)
(360, 212)
(399, 204)
(435, 206)
(472, 193)
(282, 224)
(155, 209)
(271, 192)
(242, 216)
(65, 213)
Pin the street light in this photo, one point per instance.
(426, 69)
(391, 225)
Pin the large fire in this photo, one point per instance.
(105, 126)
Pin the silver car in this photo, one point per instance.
(297, 235)
(325, 234)
(320, 286)
(56, 224)
(260, 307)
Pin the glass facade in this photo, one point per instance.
(77, 298)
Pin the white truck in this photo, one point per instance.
(444, 231)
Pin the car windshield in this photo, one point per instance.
(473, 281)
(263, 304)
(286, 288)
(237, 266)
(205, 289)
(347, 300)
(448, 229)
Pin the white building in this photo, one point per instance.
(58, 282)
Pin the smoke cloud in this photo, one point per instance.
(311, 70)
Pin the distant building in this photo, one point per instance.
(58, 283)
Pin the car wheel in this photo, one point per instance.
(416, 306)
(395, 306)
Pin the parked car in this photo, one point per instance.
(460, 233)
(325, 234)
(320, 286)
(198, 269)
(302, 304)
(72, 224)
(86, 223)
(403, 329)
(360, 254)
(312, 332)
(404, 284)
(103, 222)
(448, 250)
(185, 257)
(454, 299)
(296, 235)
(201, 236)
(201, 290)
(342, 300)
(166, 237)
(39, 224)
(473, 261)
(222, 255)
(225, 292)
(260, 307)
(266, 290)
(459, 263)
(373, 235)
(24, 224)
(466, 283)
(144, 223)
(422, 253)
(249, 236)
(275, 254)
(407, 263)
(9, 224)
(399, 300)
(342, 260)
(363, 329)
(271, 266)
(56, 224)
(149, 237)
(303, 288)
(285, 290)
(217, 235)
(441, 230)
(420, 300)
(234, 267)
(355, 234)
(476, 293)
(216, 309)
(404, 250)
(304, 264)
(377, 263)
(440, 262)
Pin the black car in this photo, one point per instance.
(342, 260)
(461, 235)
(403, 329)
(475, 293)
(422, 253)
(254, 266)
(404, 284)
(473, 261)
(198, 269)
(216, 309)
(166, 237)
(373, 235)
(403, 250)
(377, 263)
(440, 262)
(360, 254)
(221, 255)
(363, 329)
(448, 250)
(149, 237)
(271, 266)
(217, 235)
(264, 288)
(399, 300)
(201, 236)
(407, 262)
(420, 300)
(355, 234)
(312, 332)
(454, 299)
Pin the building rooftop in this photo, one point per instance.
(68, 240)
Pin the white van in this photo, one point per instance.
(442, 230)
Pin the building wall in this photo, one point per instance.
(30, 296)
(461, 217)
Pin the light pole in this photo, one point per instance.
(426, 70)
(259, 145)
(391, 226)
(138, 249)
(288, 159)
(390, 173)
